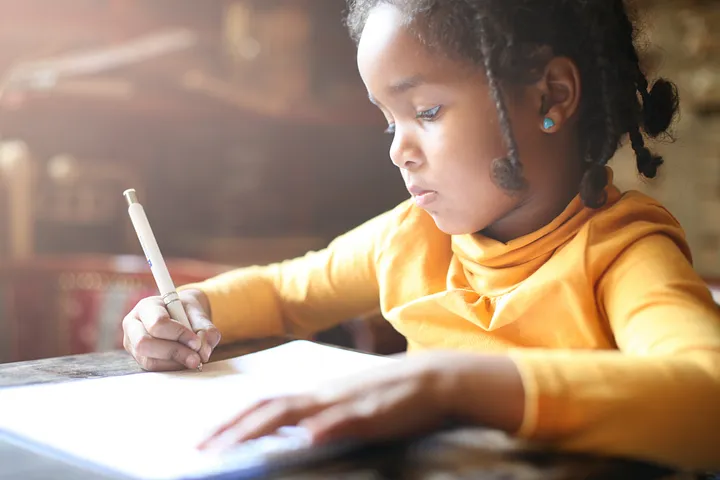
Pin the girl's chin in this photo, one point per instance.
(446, 224)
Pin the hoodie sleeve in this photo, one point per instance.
(658, 397)
(305, 295)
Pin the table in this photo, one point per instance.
(468, 453)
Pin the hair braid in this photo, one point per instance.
(645, 114)
(507, 172)
(595, 179)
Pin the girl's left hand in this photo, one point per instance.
(407, 397)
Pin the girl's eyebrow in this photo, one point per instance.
(406, 84)
(402, 86)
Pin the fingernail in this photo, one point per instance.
(205, 353)
(192, 362)
(195, 344)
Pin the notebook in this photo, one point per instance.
(146, 426)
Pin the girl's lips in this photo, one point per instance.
(422, 197)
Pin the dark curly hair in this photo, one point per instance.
(512, 40)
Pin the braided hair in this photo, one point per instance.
(512, 40)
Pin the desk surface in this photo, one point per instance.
(463, 454)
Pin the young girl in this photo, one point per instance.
(535, 297)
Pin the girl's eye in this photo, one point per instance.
(428, 115)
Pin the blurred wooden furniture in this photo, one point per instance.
(64, 305)
(458, 454)
(17, 176)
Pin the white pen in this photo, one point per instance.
(155, 260)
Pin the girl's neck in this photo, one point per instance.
(527, 218)
(541, 206)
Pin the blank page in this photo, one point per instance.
(147, 425)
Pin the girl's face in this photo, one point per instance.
(446, 129)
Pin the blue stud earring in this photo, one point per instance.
(548, 123)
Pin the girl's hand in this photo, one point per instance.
(408, 397)
(402, 398)
(159, 344)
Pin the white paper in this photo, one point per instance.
(148, 425)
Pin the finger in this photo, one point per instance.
(132, 324)
(268, 418)
(342, 421)
(126, 341)
(369, 418)
(206, 349)
(144, 345)
(235, 420)
(196, 314)
(156, 365)
(157, 322)
(213, 336)
(206, 331)
(200, 322)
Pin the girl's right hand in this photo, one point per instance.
(159, 343)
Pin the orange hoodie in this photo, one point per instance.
(616, 337)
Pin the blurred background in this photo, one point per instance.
(246, 131)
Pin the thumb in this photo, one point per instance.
(197, 315)
(201, 324)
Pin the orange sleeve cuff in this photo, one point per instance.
(241, 313)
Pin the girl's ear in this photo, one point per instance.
(559, 92)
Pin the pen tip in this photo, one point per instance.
(200, 367)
